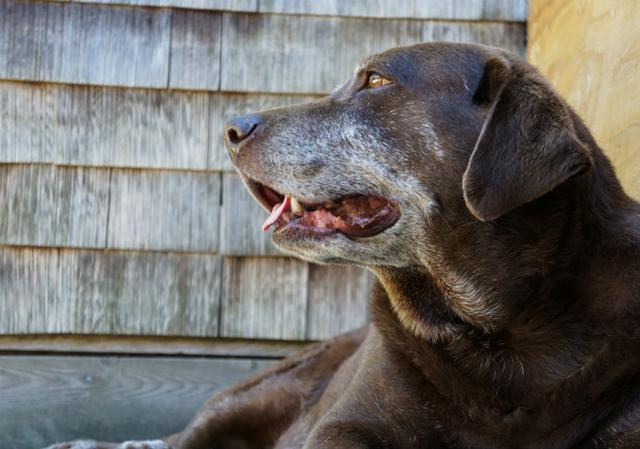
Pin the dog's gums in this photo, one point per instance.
(352, 215)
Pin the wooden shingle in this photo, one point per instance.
(240, 221)
(314, 57)
(506, 35)
(95, 292)
(498, 10)
(264, 298)
(135, 128)
(27, 118)
(91, 44)
(53, 206)
(195, 50)
(163, 210)
(115, 127)
(222, 5)
(338, 298)
(103, 126)
(508, 10)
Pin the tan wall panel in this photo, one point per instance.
(590, 50)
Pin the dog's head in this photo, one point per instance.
(420, 144)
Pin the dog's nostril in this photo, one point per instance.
(238, 129)
(234, 136)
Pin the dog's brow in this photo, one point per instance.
(364, 64)
(340, 86)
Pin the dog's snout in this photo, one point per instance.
(239, 129)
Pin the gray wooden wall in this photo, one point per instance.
(123, 229)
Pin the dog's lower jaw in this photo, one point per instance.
(398, 246)
(385, 249)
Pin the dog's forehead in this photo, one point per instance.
(395, 58)
(439, 58)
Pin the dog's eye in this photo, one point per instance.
(376, 80)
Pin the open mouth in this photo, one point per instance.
(351, 215)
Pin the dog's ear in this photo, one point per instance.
(527, 145)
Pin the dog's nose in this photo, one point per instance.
(238, 129)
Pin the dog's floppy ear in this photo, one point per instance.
(527, 146)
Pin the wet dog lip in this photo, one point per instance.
(354, 215)
(265, 196)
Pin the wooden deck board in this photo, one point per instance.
(47, 399)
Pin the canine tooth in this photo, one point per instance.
(296, 207)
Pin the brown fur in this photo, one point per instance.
(507, 308)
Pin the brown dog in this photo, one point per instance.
(507, 253)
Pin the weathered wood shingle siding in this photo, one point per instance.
(258, 39)
(497, 10)
(337, 300)
(166, 211)
(83, 43)
(90, 44)
(121, 213)
(151, 293)
(225, 5)
(53, 206)
(195, 50)
(116, 127)
(97, 292)
(264, 298)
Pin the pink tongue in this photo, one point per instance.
(277, 212)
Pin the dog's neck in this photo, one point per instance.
(490, 276)
(542, 261)
(512, 383)
(539, 332)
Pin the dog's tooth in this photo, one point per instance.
(296, 207)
